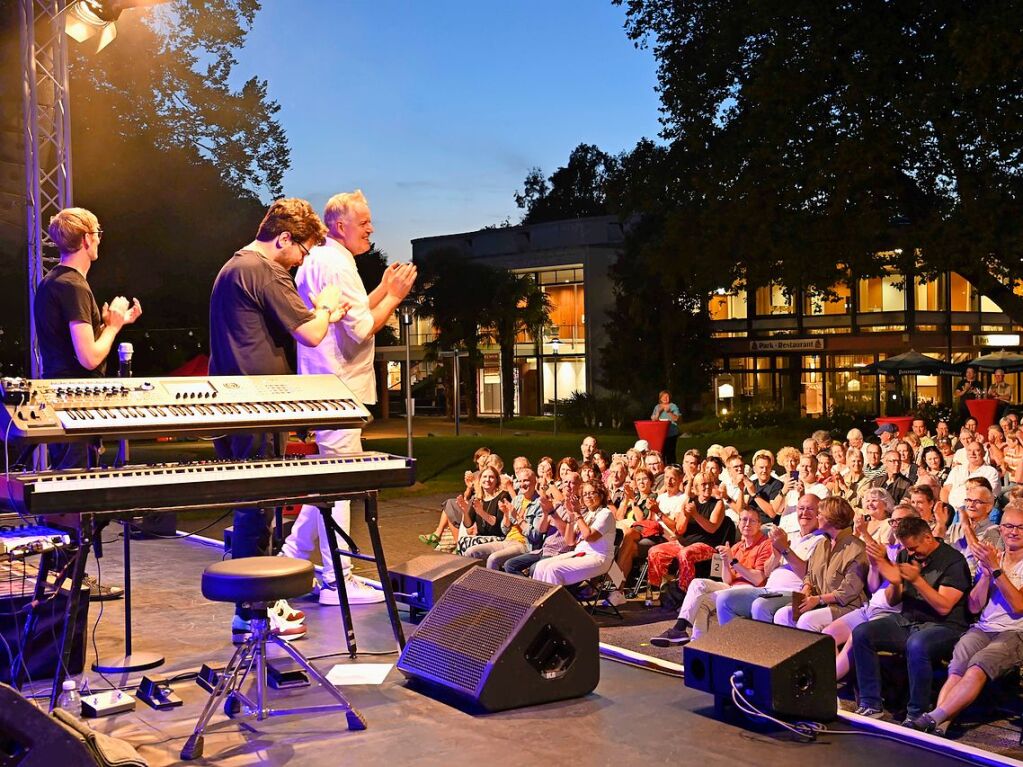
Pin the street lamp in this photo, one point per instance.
(555, 345)
(407, 312)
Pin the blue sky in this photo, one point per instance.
(437, 110)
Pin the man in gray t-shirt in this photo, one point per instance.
(255, 315)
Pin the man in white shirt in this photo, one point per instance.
(954, 491)
(347, 352)
(807, 484)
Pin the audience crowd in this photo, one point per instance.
(910, 546)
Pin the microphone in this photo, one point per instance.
(124, 353)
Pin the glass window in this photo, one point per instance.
(962, 294)
(930, 296)
(728, 306)
(882, 294)
(772, 299)
(819, 305)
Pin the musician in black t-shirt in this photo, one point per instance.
(75, 337)
(931, 581)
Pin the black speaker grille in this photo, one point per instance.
(461, 634)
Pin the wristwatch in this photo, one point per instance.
(996, 574)
(734, 562)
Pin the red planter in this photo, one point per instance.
(985, 411)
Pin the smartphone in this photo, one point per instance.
(794, 475)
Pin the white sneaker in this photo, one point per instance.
(286, 612)
(616, 598)
(359, 593)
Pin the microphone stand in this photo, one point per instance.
(130, 661)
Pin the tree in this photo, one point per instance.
(811, 137)
(517, 305)
(573, 191)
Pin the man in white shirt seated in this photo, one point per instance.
(806, 484)
(993, 646)
(785, 570)
(954, 491)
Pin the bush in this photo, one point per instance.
(588, 411)
(838, 422)
(757, 417)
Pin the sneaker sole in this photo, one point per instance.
(334, 600)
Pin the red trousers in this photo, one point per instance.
(662, 555)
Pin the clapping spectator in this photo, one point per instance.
(594, 551)
(482, 517)
(519, 521)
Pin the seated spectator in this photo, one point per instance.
(742, 564)
(993, 646)
(907, 458)
(763, 492)
(643, 523)
(589, 472)
(823, 439)
(506, 482)
(914, 443)
(825, 467)
(603, 463)
(893, 480)
(805, 483)
(566, 466)
(877, 510)
(785, 570)
(872, 466)
(587, 448)
(655, 465)
(941, 431)
(810, 446)
(733, 482)
(944, 444)
(451, 514)
(835, 574)
(932, 463)
(634, 459)
(928, 508)
(553, 534)
(974, 522)
(954, 491)
(544, 474)
(919, 428)
(594, 552)
(888, 433)
(700, 528)
(854, 482)
(838, 451)
(617, 482)
(520, 520)
(481, 518)
(841, 629)
(854, 438)
(788, 463)
(930, 580)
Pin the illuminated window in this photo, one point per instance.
(772, 299)
(728, 306)
(882, 294)
(819, 305)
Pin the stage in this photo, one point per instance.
(634, 716)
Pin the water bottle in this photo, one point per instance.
(70, 700)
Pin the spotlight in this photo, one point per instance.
(85, 19)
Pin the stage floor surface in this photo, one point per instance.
(633, 717)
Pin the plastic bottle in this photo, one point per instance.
(70, 700)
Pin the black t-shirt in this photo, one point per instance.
(491, 507)
(696, 534)
(254, 308)
(768, 491)
(64, 297)
(944, 567)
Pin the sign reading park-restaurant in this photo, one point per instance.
(788, 345)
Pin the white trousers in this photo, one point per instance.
(309, 530)
(568, 568)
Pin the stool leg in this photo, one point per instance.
(352, 715)
(261, 709)
(194, 745)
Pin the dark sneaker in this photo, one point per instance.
(669, 638)
(870, 712)
(100, 593)
(922, 723)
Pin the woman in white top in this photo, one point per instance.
(595, 531)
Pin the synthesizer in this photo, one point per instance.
(206, 484)
(58, 410)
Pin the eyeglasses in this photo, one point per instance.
(1007, 528)
(590, 494)
(303, 248)
(98, 232)
(976, 501)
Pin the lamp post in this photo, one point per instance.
(407, 312)
(555, 344)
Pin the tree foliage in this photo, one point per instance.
(809, 137)
(576, 190)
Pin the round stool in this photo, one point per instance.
(256, 582)
(253, 580)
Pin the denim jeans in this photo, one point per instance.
(750, 602)
(523, 563)
(923, 644)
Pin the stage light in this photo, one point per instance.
(86, 19)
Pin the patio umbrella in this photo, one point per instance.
(1010, 362)
(913, 363)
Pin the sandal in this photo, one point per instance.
(430, 540)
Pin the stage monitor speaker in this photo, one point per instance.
(496, 641)
(785, 671)
(421, 581)
(30, 738)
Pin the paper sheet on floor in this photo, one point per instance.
(344, 674)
